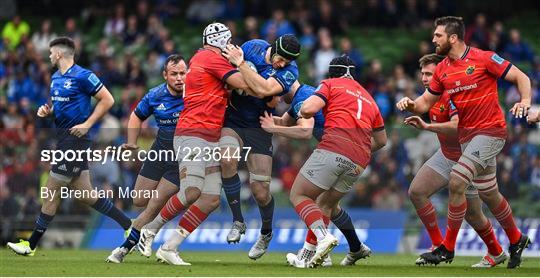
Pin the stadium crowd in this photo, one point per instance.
(135, 41)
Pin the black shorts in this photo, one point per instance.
(156, 169)
(257, 139)
(69, 167)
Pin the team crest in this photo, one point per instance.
(470, 70)
(67, 84)
(442, 108)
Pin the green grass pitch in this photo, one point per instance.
(92, 263)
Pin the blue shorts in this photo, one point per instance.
(155, 169)
(71, 167)
(257, 139)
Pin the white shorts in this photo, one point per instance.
(483, 149)
(196, 168)
(327, 170)
(443, 166)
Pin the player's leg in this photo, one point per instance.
(260, 170)
(320, 172)
(143, 184)
(231, 145)
(498, 205)
(357, 249)
(194, 216)
(476, 218)
(431, 177)
(102, 205)
(51, 202)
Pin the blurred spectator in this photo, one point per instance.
(535, 173)
(142, 13)
(234, 9)
(348, 49)
(325, 17)
(166, 8)
(115, 25)
(517, 50)
(323, 55)
(251, 29)
(42, 38)
(289, 173)
(307, 39)
(411, 16)
(477, 34)
(361, 196)
(390, 14)
(14, 31)
(71, 29)
(205, 11)
(388, 197)
(132, 33)
(277, 26)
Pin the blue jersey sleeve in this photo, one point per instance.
(143, 109)
(286, 77)
(296, 104)
(90, 83)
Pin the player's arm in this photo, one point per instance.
(523, 84)
(447, 128)
(259, 86)
(533, 117)
(134, 129)
(302, 130)
(378, 139)
(311, 106)
(420, 105)
(104, 102)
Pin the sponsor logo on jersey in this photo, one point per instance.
(289, 77)
(93, 79)
(497, 59)
(442, 108)
(62, 167)
(68, 83)
(469, 70)
(161, 107)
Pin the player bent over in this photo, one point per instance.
(165, 103)
(469, 75)
(292, 126)
(435, 173)
(275, 73)
(353, 129)
(199, 128)
(72, 88)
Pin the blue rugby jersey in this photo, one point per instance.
(303, 93)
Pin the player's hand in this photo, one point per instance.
(406, 104)
(533, 117)
(416, 122)
(44, 111)
(521, 109)
(267, 122)
(234, 54)
(129, 146)
(79, 130)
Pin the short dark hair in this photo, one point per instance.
(63, 41)
(430, 59)
(174, 59)
(452, 25)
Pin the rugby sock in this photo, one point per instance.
(132, 239)
(455, 218)
(310, 213)
(310, 236)
(343, 222)
(172, 208)
(188, 223)
(310, 246)
(488, 236)
(232, 187)
(428, 216)
(42, 223)
(267, 213)
(104, 206)
(503, 214)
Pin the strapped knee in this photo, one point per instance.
(259, 178)
(465, 170)
(486, 183)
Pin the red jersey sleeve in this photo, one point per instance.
(378, 122)
(496, 65)
(436, 86)
(323, 91)
(221, 68)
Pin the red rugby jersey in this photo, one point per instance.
(205, 96)
(351, 115)
(471, 83)
(442, 112)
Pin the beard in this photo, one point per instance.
(443, 49)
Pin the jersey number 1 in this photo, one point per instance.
(359, 112)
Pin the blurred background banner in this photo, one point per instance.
(381, 231)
